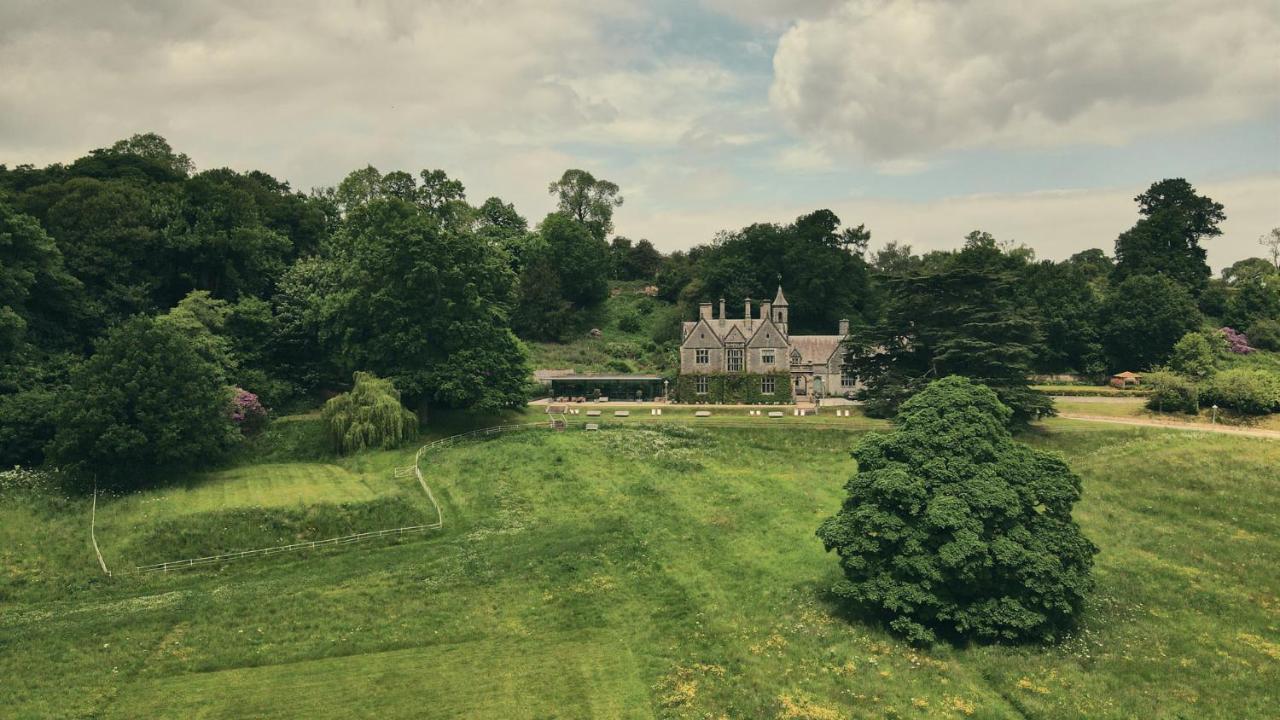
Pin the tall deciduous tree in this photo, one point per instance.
(823, 272)
(580, 258)
(1166, 241)
(589, 201)
(425, 304)
(1142, 318)
(951, 527)
(1271, 241)
(39, 299)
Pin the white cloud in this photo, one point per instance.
(909, 77)
(310, 91)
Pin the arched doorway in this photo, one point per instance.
(799, 385)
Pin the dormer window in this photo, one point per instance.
(795, 357)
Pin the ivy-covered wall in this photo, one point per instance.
(735, 388)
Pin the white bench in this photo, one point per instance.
(593, 413)
(702, 413)
(592, 426)
(622, 413)
(776, 413)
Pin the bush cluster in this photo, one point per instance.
(1171, 392)
(1252, 392)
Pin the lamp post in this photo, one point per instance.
(666, 393)
(1214, 421)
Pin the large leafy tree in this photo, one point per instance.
(952, 528)
(580, 259)
(820, 263)
(1255, 298)
(1142, 318)
(112, 235)
(425, 304)
(966, 319)
(39, 299)
(1166, 240)
(1066, 308)
(587, 200)
(541, 313)
(145, 400)
(220, 242)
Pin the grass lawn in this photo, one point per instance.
(649, 571)
(1136, 408)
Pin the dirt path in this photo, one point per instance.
(1197, 427)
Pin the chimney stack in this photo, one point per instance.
(722, 312)
(844, 328)
(746, 312)
(766, 307)
(704, 311)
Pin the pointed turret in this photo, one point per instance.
(780, 311)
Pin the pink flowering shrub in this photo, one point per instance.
(1237, 342)
(247, 411)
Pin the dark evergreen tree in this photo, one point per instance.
(967, 319)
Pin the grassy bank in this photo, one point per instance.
(655, 571)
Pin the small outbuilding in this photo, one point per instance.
(1126, 379)
(618, 387)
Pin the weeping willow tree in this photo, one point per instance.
(370, 416)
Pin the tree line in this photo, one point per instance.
(138, 295)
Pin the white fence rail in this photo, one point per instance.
(344, 539)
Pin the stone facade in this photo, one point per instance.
(760, 344)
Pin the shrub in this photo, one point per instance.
(1265, 334)
(1237, 342)
(665, 326)
(369, 416)
(950, 526)
(1193, 356)
(620, 365)
(1252, 392)
(247, 412)
(629, 322)
(626, 350)
(1171, 392)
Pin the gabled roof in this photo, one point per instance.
(816, 349)
(779, 299)
(717, 331)
(767, 335)
(735, 335)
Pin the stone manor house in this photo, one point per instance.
(763, 346)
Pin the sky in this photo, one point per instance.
(923, 120)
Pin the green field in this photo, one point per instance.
(1136, 409)
(645, 571)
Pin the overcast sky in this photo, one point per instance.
(1037, 122)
